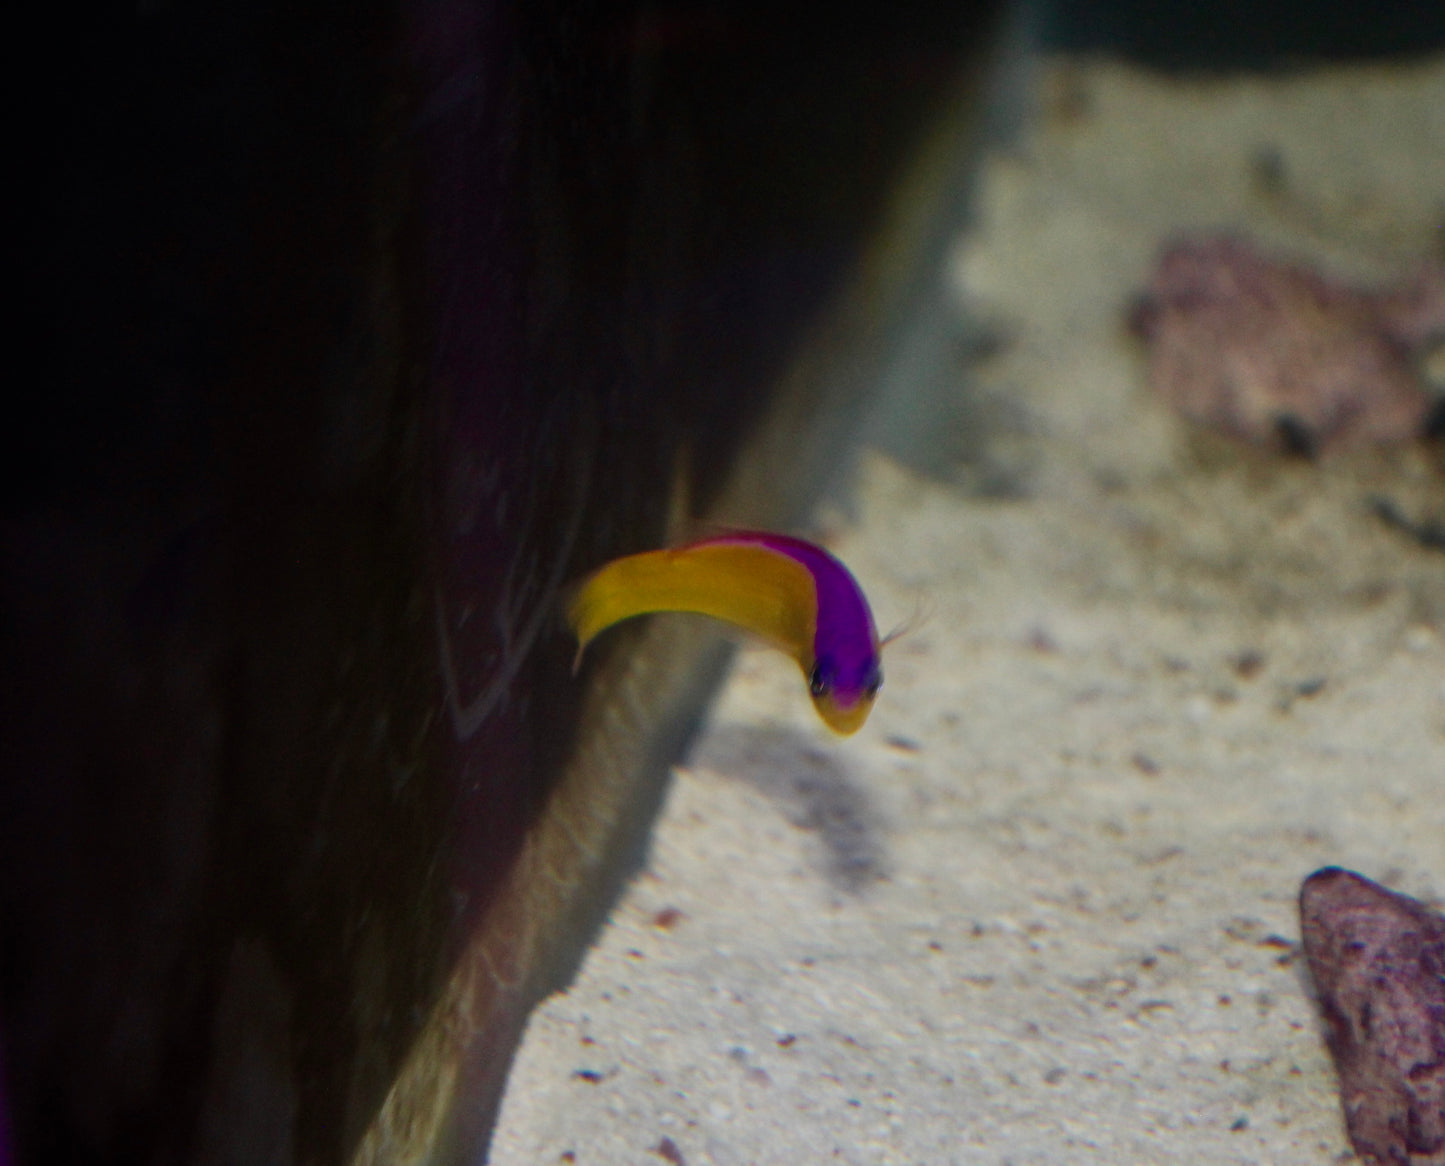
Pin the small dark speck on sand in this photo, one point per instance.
(1267, 170)
(1041, 641)
(1248, 664)
(1377, 959)
(1428, 532)
(667, 1150)
(1145, 764)
(668, 918)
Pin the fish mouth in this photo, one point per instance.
(844, 719)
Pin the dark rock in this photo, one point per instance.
(1378, 962)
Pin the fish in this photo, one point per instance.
(789, 592)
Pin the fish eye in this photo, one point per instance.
(874, 684)
(818, 682)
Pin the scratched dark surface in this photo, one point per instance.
(363, 327)
(1377, 959)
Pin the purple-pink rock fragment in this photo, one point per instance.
(1378, 963)
(1276, 353)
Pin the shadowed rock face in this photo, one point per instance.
(363, 328)
(1378, 962)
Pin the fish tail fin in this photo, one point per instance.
(603, 598)
(570, 609)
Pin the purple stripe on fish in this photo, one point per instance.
(845, 642)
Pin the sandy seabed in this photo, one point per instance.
(1042, 908)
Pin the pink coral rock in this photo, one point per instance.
(1277, 354)
(1377, 959)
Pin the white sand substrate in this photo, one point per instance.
(1042, 908)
